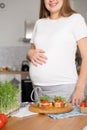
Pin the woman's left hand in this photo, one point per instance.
(77, 97)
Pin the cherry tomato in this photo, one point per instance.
(43, 101)
(1, 123)
(83, 104)
(3, 120)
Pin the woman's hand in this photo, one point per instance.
(78, 94)
(36, 56)
(77, 97)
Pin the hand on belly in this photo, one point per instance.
(38, 57)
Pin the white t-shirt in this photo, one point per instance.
(58, 38)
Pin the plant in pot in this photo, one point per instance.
(8, 97)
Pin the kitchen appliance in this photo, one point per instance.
(26, 90)
(25, 65)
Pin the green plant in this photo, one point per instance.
(8, 97)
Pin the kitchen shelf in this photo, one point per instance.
(15, 72)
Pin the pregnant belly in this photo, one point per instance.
(41, 74)
(51, 74)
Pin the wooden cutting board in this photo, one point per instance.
(49, 110)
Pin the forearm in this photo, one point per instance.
(83, 75)
(30, 51)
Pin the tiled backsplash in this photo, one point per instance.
(12, 56)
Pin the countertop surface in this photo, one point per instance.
(43, 122)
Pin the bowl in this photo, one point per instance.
(83, 110)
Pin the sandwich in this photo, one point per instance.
(59, 102)
(45, 102)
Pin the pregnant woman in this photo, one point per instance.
(56, 35)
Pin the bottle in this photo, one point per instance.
(25, 66)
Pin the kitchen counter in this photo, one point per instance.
(43, 122)
(15, 72)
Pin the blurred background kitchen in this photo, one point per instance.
(17, 19)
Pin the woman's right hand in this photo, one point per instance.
(36, 56)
